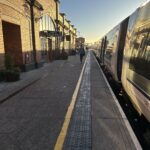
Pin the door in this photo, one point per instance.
(12, 42)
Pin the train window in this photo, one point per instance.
(140, 57)
(111, 44)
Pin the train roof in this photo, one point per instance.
(145, 3)
(115, 27)
(142, 5)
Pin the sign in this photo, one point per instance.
(47, 33)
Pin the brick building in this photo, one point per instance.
(67, 41)
(16, 31)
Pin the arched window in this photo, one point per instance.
(46, 23)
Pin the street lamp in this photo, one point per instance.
(33, 33)
(63, 15)
(57, 17)
(69, 35)
(33, 3)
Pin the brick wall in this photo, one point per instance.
(14, 12)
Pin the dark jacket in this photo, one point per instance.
(82, 51)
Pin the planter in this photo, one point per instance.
(12, 75)
(64, 56)
(2, 75)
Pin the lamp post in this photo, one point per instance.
(63, 14)
(33, 3)
(57, 11)
(69, 35)
(75, 38)
(33, 32)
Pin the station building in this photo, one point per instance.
(69, 33)
(33, 37)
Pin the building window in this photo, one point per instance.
(47, 24)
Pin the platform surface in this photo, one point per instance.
(96, 122)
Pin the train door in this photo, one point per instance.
(121, 44)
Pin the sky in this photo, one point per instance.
(94, 18)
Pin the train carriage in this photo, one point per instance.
(112, 49)
(125, 52)
(136, 61)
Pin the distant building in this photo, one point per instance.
(67, 41)
(80, 41)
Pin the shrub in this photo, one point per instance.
(12, 75)
(57, 55)
(72, 52)
(2, 75)
(64, 55)
(9, 63)
(17, 69)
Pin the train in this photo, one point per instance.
(125, 52)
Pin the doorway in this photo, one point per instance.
(12, 42)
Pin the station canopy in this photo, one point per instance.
(47, 27)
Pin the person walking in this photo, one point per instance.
(82, 53)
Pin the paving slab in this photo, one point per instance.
(109, 130)
(79, 132)
(96, 123)
(32, 119)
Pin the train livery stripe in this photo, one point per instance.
(63, 132)
(134, 138)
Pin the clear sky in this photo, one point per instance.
(94, 18)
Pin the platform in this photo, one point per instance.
(98, 121)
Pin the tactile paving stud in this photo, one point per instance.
(79, 133)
